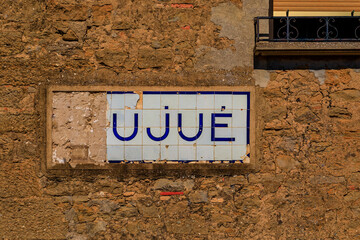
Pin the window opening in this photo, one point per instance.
(308, 20)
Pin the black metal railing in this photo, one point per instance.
(302, 29)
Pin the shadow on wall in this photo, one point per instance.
(306, 62)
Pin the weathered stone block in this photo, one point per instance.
(168, 185)
(151, 58)
(346, 95)
(305, 115)
(198, 197)
(286, 163)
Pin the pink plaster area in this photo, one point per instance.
(79, 127)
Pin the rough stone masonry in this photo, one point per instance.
(307, 181)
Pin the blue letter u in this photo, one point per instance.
(189, 139)
(167, 130)
(133, 135)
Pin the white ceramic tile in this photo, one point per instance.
(223, 153)
(188, 132)
(115, 153)
(239, 102)
(169, 100)
(205, 153)
(137, 140)
(120, 118)
(223, 119)
(133, 153)
(151, 152)
(173, 115)
(205, 137)
(156, 132)
(172, 138)
(151, 118)
(169, 152)
(187, 101)
(189, 118)
(238, 152)
(205, 101)
(151, 101)
(130, 118)
(239, 135)
(110, 137)
(206, 117)
(223, 133)
(223, 100)
(108, 111)
(131, 100)
(187, 153)
(108, 100)
(239, 118)
(117, 101)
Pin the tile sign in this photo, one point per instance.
(174, 126)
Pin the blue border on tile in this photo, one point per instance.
(117, 92)
(248, 119)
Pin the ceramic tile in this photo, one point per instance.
(223, 100)
(155, 132)
(188, 133)
(189, 118)
(130, 118)
(108, 101)
(151, 152)
(151, 118)
(223, 136)
(133, 153)
(131, 100)
(117, 101)
(170, 101)
(239, 101)
(224, 117)
(173, 117)
(205, 137)
(239, 118)
(187, 153)
(115, 153)
(137, 140)
(187, 101)
(223, 153)
(151, 101)
(172, 138)
(110, 137)
(120, 118)
(205, 101)
(240, 135)
(175, 147)
(205, 153)
(206, 117)
(169, 152)
(238, 152)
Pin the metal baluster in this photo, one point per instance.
(327, 28)
(287, 26)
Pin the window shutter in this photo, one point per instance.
(317, 5)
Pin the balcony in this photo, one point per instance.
(293, 35)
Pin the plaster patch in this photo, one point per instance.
(320, 75)
(262, 77)
(228, 16)
(78, 127)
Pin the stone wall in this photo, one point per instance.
(307, 181)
